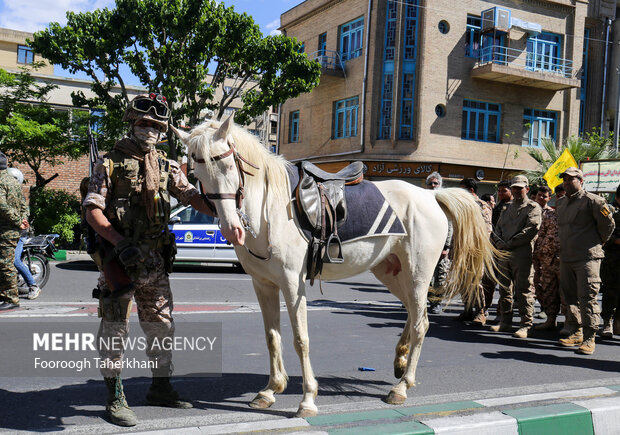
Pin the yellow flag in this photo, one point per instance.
(566, 160)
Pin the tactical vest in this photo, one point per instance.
(126, 210)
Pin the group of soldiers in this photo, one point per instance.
(558, 256)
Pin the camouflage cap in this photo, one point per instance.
(3, 161)
(573, 172)
(519, 181)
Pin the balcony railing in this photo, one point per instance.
(329, 59)
(524, 60)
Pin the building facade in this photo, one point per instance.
(415, 86)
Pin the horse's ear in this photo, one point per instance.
(184, 137)
(222, 132)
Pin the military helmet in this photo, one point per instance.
(153, 107)
(17, 174)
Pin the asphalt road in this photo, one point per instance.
(354, 323)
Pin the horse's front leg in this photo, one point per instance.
(269, 301)
(295, 297)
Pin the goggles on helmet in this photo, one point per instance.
(155, 103)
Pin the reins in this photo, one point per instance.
(239, 195)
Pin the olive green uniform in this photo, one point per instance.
(610, 272)
(585, 223)
(113, 188)
(13, 210)
(515, 231)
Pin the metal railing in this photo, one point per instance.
(328, 59)
(525, 60)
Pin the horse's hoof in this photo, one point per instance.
(261, 402)
(395, 398)
(305, 412)
(398, 372)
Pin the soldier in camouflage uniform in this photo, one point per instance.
(610, 277)
(128, 206)
(515, 232)
(13, 218)
(546, 261)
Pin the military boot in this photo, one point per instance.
(587, 347)
(502, 327)
(616, 330)
(607, 331)
(161, 392)
(550, 323)
(574, 339)
(119, 412)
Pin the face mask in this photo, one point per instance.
(147, 136)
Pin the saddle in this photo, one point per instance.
(321, 202)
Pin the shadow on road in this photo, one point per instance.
(555, 360)
(52, 410)
(178, 267)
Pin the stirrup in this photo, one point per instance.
(339, 259)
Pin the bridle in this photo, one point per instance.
(238, 195)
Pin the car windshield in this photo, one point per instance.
(191, 216)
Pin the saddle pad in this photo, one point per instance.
(368, 212)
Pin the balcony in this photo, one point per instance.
(331, 62)
(519, 67)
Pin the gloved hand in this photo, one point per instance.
(128, 254)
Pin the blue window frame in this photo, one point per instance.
(409, 69)
(25, 54)
(538, 124)
(293, 127)
(322, 44)
(481, 121)
(345, 117)
(351, 39)
(473, 36)
(96, 117)
(584, 81)
(387, 81)
(543, 52)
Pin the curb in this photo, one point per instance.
(593, 411)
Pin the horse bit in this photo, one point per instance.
(238, 195)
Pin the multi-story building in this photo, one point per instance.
(463, 88)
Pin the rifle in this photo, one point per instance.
(100, 250)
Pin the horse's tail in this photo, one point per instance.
(473, 255)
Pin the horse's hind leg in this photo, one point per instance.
(269, 301)
(295, 297)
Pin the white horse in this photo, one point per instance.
(404, 264)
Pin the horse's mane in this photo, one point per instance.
(272, 167)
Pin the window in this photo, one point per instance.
(96, 116)
(543, 51)
(322, 44)
(409, 69)
(473, 37)
(493, 48)
(293, 129)
(444, 27)
(387, 82)
(345, 118)
(192, 216)
(538, 124)
(351, 39)
(480, 121)
(274, 127)
(24, 54)
(303, 47)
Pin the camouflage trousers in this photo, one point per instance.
(610, 287)
(579, 283)
(547, 285)
(439, 279)
(8, 272)
(154, 304)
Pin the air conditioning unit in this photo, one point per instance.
(496, 19)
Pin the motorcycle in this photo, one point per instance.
(38, 250)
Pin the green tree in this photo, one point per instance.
(172, 46)
(591, 146)
(32, 132)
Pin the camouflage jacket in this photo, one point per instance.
(611, 247)
(547, 245)
(487, 214)
(13, 207)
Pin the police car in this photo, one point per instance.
(198, 237)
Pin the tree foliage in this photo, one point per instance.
(32, 132)
(591, 146)
(184, 49)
